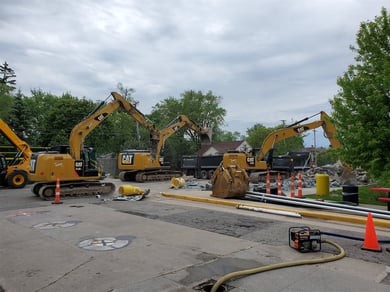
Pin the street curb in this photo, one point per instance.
(317, 214)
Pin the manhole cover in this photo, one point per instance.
(55, 224)
(105, 243)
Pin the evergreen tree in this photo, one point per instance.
(7, 76)
(18, 118)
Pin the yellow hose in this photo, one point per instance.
(280, 265)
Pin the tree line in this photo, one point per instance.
(361, 112)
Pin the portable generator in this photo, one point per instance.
(304, 239)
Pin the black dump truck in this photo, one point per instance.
(200, 166)
(292, 161)
(203, 167)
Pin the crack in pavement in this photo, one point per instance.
(66, 274)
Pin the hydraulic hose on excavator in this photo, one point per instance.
(248, 272)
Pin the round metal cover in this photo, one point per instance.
(105, 243)
(55, 224)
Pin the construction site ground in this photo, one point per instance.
(176, 240)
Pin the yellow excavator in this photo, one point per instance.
(15, 173)
(256, 163)
(74, 164)
(148, 165)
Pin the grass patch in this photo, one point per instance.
(365, 196)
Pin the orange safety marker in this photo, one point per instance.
(279, 185)
(292, 185)
(58, 195)
(370, 240)
(300, 195)
(268, 183)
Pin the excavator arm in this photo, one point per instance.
(18, 143)
(179, 122)
(147, 165)
(297, 129)
(101, 113)
(16, 174)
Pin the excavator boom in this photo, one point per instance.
(82, 129)
(178, 123)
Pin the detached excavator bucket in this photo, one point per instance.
(229, 182)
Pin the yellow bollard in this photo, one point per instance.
(177, 182)
(322, 184)
(129, 190)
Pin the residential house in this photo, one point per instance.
(223, 147)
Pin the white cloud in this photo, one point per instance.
(268, 60)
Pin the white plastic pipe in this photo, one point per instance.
(275, 212)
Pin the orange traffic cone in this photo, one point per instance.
(279, 185)
(300, 195)
(292, 185)
(57, 196)
(370, 240)
(268, 183)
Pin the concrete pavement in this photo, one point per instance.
(89, 247)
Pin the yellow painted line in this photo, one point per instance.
(313, 214)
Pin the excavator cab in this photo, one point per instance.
(91, 167)
(3, 170)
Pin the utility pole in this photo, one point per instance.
(137, 126)
(315, 148)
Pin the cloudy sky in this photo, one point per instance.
(269, 60)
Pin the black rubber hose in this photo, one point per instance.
(350, 237)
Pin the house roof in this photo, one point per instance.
(220, 147)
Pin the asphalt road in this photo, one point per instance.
(269, 229)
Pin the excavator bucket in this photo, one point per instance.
(229, 182)
(206, 135)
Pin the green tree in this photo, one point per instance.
(18, 119)
(202, 108)
(61, 117)
(361, 109)
(227, 136)
(38, 105)
(6, 101)
(126, 92)
(256, 135)
(7, 85)
(326, 156)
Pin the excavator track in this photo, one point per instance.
(159, 175)
(47, 191)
